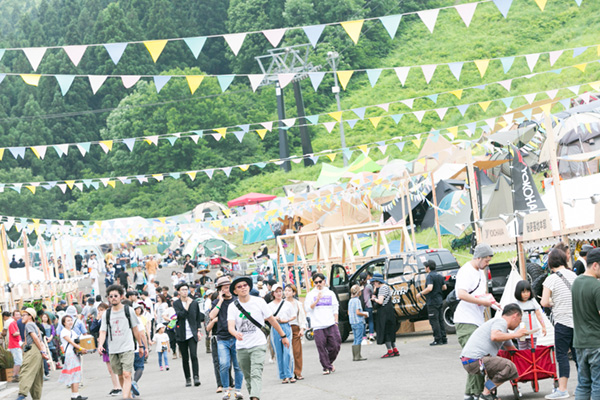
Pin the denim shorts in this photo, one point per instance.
(17, 355)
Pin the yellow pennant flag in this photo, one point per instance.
(337, 115)
(588, 127)
(244, 167)
(111, 184)
(344, 77)
(1, 153)
(353, 29)
(163, 219)
(417, 142)
(99, 223)
(363, 148)
(594, 85)
(502, 123)
(546, 108)
(31, 79)
(31, 188)
(375, 121)
(482, 66)
(227, 212)
(155, 47)
(581, 67)
(221, 131)
(107, 143)
(191, 174)
(422, 160)
(70, 184)
(331, 156)
(484, 105)
(261, 133)
(194, 82)
(36, 152)
(458, 93)
(541, 4)
(453, 130)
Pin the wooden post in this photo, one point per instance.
(4, 256)
(44, 259)
(63, 258)
(26, 257)
(556, 177)
(521, 253)
(55, 258)
(435, 212)
(410, 216)
(473, 192)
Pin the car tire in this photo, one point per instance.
(448, 316)
(344, 328)
(534, 271)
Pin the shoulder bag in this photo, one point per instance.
(266, 328)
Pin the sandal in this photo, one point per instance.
(292, 380)
(286, 380)
(299, 378)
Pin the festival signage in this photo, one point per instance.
(537, 225)
(494, 233)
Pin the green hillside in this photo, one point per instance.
(142, 112)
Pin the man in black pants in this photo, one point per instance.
(434, 286)
(188, 332)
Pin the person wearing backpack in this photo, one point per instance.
(123, 336)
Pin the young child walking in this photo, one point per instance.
(162, 346)
(357, 321)
(529, 304)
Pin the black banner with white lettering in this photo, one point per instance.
(527, 198)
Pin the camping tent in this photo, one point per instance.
(442, 189)
(220, 247)
(258, 233)
(208, 210)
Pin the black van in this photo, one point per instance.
(406, 276)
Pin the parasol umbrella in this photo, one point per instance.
(250, 198)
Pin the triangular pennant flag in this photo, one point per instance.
(385, 107)
(331, 156)
(194, 82)
(256, 80)
(246, 166)
(289, 122)
(16, 187)
(329, 125)
(462, 109)
(360, 112)
(417, 143)
(456, 68)
(441, 112)
(429, 17)
(482, 66)
(353, 29)
(491, 122)
(239, 135)
(402, 74)
(158, 177)
(313, 119)
(39, 151)
(432, 97)
(458, 93)
(532, 59)
(391, 23)
(400, 145)
(34, 55)
(2, 51)
(471, 127)
(373, 75)
(575, 89)
(579, 51)
(375, 121)
(285, 79)
(192, 175)
(195, 44)
(530, 97)
(508, 101)
(155, 48)
(506, 84)
(261, 133)
(129, 80)
(315, 79)
(382, 148)
(129, 142)
(554, 55)
(267, 125)
(83, 148)
(235, 41)
(142, 179)
(75, 53)
(552, 93)
(96, 82)
(507, 63)
(61, 149)
(408, 103)
(351, 123)
(466, 12)
(172, 139)
(106, 145)
(397, 118)
(503, 6)
(227, 171)
(221, 131)
(419, 115)
(337, 115)
(17, 152)
(105, 181)
(347, 152)
(65, 82)
(62, 187)
(428, 71)
(484, 105)
(313, 33)
(175, 175)
(541, 4)
(581, 67)
(160, 81)
(2, 76)
(31, 79)
(115, 51)
(344, 77)
(209, 173)
(274, 36)
(245, 127)
(225, 81)
(364, 149)
(70, 184)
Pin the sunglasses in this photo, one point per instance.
(113, 296)
(318, 282)
(241, 285)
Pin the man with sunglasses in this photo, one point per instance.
(123, 337)
(322, 307)
(245, 319)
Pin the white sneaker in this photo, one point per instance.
(557, 394)
(270, 360)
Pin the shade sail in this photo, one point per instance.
(250, 198)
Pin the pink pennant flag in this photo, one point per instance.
(75, 53)
(384, 107)
(285, 79)
(267, 125)
(532, 59)
(274, 36)
(506, 84)
(35, 55)
(552, 93)
(428, 71)
(329, 125)
(554, 55)
(129, 80)
(408, 102)
(466, 12)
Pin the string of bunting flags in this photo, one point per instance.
(65, 81)
(235, 41)
(239, 131)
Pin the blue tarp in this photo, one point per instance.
(259, 233)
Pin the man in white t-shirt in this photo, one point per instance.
(94, 267)
(251, 342)
(471, 286)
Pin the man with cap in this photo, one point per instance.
(245, 319)
(471, 284)
(32, 371)
(581, 264)
(225, 340)
(586, 328)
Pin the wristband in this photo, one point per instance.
(284, 337)
(218, 308)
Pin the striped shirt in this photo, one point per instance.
(562, 310)
(386, 292)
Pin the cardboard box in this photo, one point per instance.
(87, 342)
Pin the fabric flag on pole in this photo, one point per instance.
(527, 197)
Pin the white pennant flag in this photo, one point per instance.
(428, 71)
(552, 93)
(274, 36)
(329, 125)
(235, 41)
(96, 82)
(402, 73)
(466, 12)
(532, 59)
(285, 79)
(408, 102)
(255, 80)
(506, 84)
(530, 97)
(554, 55)
(441, 112)
(129, 80)
(419, 115)
(35, 55)
(429, 17)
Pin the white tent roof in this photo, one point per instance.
(20, 275)
(582, 189)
